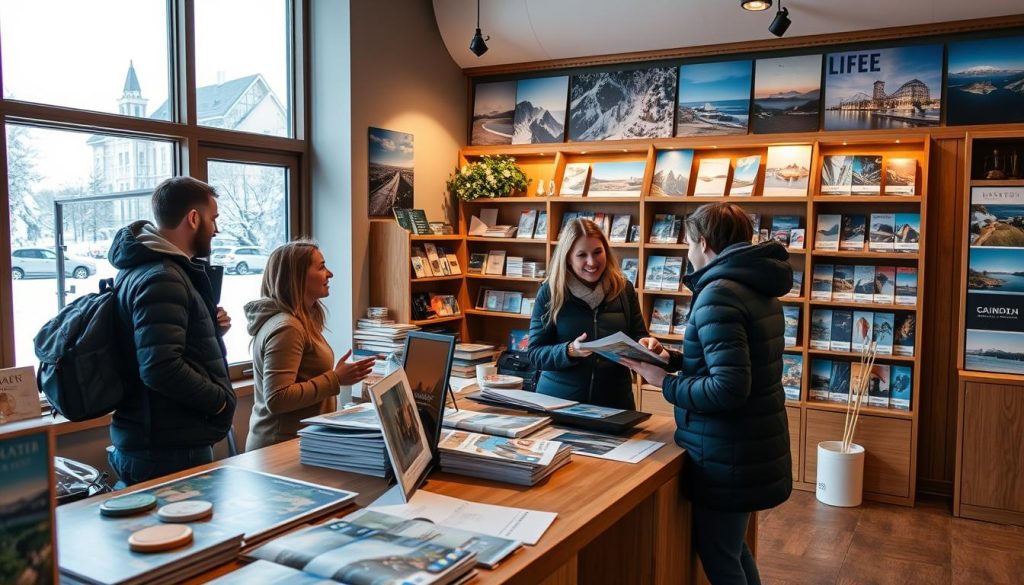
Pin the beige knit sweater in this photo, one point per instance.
(293, 371)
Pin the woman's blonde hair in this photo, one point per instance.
(612, 279)
(284, 280)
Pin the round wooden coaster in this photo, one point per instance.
(128, 505)
(185, 511)
(160, 538)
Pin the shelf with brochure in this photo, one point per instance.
(870, 410)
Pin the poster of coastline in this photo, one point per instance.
(617, 105)
(714, 98)
(494, 106)
(27, 544)
(787, 94)
(540, 110)
(985, 81)
(391, 171)
(883, 88)
(995, 281)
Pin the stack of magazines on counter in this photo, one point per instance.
(468, 356)
(504, 425)
(513, 460)
(381, 335)
(347, 440)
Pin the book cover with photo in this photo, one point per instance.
(782, 227)
(984, 80)
(540, 110)
(787, 170)
(19, 394)
(885, 285)
(826, 235)
(842, 282)
(891, 88)
(906, 285)
(540, 232)
(904, 334)
(712, 177)
(616, 179)
(476, 263)
(792, 375)
(994, 351)
(672, 173)
(620, 228)
(494, 106)
(908, 232)
(630, 267)
(527, 221)
(821, 329)
(997, 217)
(661, 315)
(854, 228)
(574, 180)
(714, 98)
(671, 274)
(519, 340)
(839, 383)
(798, 285)
(837, 174)
(787, 94)
(901, 386)
(655, 267)
(744, 177)
(663, 229)
(863, 321)
(820, 378)
(604, 222)
(995, 270)
(791, 314)
(881, 332)
(900, 176)
(842, 330)
(867, 175)
(881, 232)
(680, 316)
(821, 282)
(755, 223)
(512, 302)
(878, 386)
(27, 500)
(863, 283)
(619, 105)
(796, 238)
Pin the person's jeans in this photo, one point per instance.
(141, 465)
(720, 538)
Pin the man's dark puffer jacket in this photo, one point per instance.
(730, 407)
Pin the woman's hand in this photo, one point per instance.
(574, 347)
(351, 373)
(655, 346)
(649, 372)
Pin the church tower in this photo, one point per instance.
(132, 103)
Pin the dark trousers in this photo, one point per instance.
(720, 538)
(141, 465)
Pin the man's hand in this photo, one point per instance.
(649, 372)
(655, 346)
(223, 321)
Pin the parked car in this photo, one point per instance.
(239, 260)
(42, 262)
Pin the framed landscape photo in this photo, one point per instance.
(28, 497)
(787, 95)
(391, 171)
(494, 106)
(540, 110)
(985, 81)
(714, 98)
(619, 105)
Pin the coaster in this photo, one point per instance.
(185, 511)
(160, 538)
(128, 505)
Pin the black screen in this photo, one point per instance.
(427, 366)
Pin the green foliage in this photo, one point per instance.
(493, 176)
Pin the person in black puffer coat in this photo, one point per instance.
(729, 403)
(584, 297)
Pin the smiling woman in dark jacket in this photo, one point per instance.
(584, 297)
(729, 404)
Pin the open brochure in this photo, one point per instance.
(525, 399)
(359, 417)
(505, 425)
(600, 445)
(619, 345)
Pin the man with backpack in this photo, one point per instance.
(178, 402)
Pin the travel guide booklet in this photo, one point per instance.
(878, 386)
(900, 386)
(527, 221)
(821, 375)
(619, 345)
(620, 228)
(842, 282)
(28, 496)
(787, 170)
(821, 283)
(630, 267)
(505, 425)
(852, 233)
(792, 375)
(881, 230)
(661, 315)
(881, 332)
(863, 283)
(602, 446)
(680, 316)
(906, 285)
(523, 461)
(745, 176)
(842, 330)
(863, 321)
(712, 177)
(782, 227)
(19, 394)
(836, 174)
(826, 236)
(867, 175)
(900, 176)
(885, 284)
(904, 334)
(798, 285)
(672, 273)
(655, 269)
(663, 230)
(821, 329)
(540, 232)
(908, 232)
(792, 316)
(839, 384)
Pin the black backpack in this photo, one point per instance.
(514, 363)
(79, 365)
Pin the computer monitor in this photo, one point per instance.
(428, 364)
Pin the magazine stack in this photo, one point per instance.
(347, 440)
(468, 356)
(503, 425)
(381, 335)
(518, 461)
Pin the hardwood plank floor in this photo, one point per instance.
(806, 542)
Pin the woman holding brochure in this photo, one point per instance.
(729, 404)
(584, 297)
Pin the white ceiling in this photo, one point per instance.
(540, 30)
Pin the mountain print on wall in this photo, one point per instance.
(540, 110)
(619, 105)
(985, 83)
(787, 94)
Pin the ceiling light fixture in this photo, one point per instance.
(477, 45)
(756, 5)
(781, 22)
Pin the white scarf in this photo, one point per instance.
(593, 297)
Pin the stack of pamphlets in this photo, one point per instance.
(500, 231)
(523, 399)
(347, 440)
(370, 547)
(381, 335)
(504, 425)
(518, 461)
(468, 356)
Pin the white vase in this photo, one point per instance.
(840, 480)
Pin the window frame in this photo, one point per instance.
(192, 145)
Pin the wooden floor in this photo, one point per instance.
(805, 542)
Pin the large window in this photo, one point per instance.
(128, 118)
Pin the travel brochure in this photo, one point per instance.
(877, 232)
(19, 394)
(602, 446)
(867, 284)
(619, 345)
(504, 425)
(521, 461)
(28, 495)
(889, 386)
(792, 375)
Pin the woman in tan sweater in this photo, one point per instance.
(291, 359)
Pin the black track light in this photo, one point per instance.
(477, 45)
(756, 5)
(780, 24)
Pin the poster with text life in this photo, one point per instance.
(883, 88)
(994, 340)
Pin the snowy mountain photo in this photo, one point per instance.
(985, 83)
(540, 110)
(622, 104)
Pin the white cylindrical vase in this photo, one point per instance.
(840, 475)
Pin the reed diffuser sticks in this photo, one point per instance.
(858, 393)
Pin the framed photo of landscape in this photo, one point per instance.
(714, 98)
(28, 495)
(985, 81)
(391, 171)
(787, 94)
(618, 105)
(494, 106)
(994, 340)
